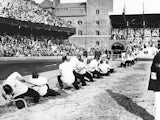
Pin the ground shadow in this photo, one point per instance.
(130, 106)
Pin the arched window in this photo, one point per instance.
(117, 48)
(97, 33)
(97, 11)
(80, 32)
(97, 22)
(79, 22)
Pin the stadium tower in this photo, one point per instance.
(98, 22)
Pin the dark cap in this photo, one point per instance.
(64, 58)
(35, 74)
(8, 89)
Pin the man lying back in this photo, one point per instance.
(14, 88)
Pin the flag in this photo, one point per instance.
(124, 16)
(143, 22)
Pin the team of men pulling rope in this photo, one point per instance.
(73, 73)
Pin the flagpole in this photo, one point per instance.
(143, 23)
(125, 20)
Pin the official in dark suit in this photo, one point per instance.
(154, 83)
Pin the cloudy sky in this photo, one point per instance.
(132, 6)
(136, 6)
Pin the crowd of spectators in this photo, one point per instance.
(29, 11)
(18, 45)
(22, 46)
(137, 36)
(119, 33)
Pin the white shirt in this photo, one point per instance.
(39, 85)
(74, 62)
(14, 81)
(85, 60)
(81, 68)
(109, 67)
(123, 56)
(103, 68)
(93, 65)
(66, 72)
(129, 57)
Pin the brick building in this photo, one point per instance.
(90, 18)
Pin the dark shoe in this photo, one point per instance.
(99, 77)
(77, 88)
(91, 80)
(57, 93)
(84, 84)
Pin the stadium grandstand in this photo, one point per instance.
(29, 30)
(137, 30)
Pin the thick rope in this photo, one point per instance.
(15, 100)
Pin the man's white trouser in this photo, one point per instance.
(157, 105)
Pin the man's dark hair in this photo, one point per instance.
(35, 74)
(101, 61)
(96, 57)
(64, 58)
(8, 89)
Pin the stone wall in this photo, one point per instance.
(74, 22)
(91, 41)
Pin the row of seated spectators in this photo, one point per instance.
(29, 11)
(133, 33)
(137, 35)
(22, 46)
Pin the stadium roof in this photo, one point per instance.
(135, 20)
(71, 5)
(37, 26)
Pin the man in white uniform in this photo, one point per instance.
(123, 59)
(110, 68)
(103, 68)
(15, 87)
(66, 74)
(75, 60)
(40, 85)
(128, 59)
(82, 69)
(93, 67)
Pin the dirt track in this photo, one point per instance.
(121, 96)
